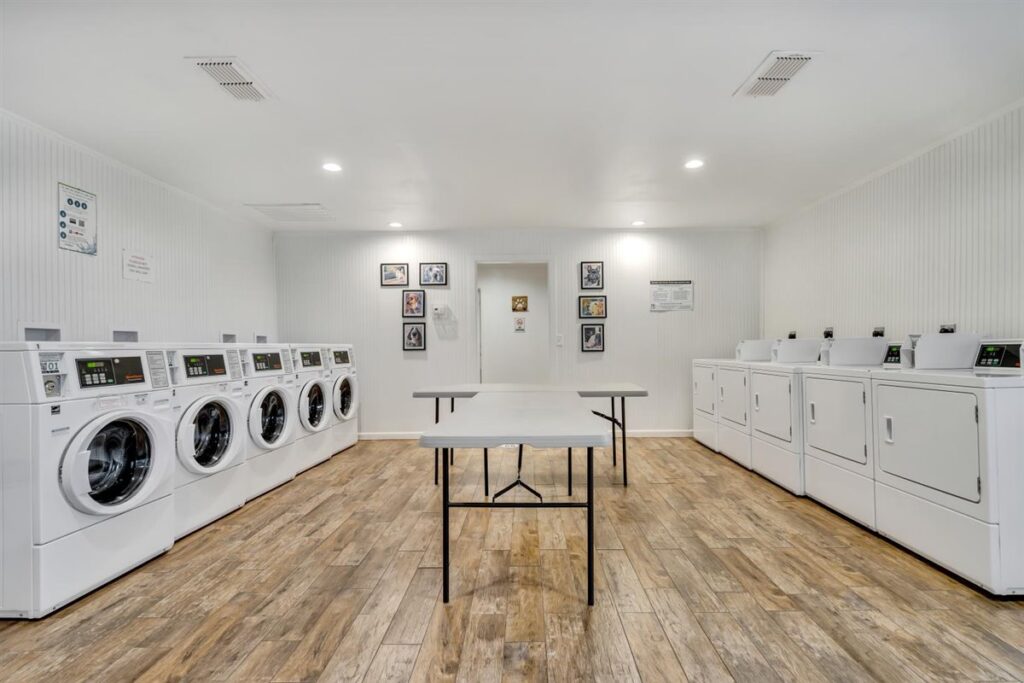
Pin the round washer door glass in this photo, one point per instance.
(120, 459)
(345, 396)
(317, 403)
(272, 416)
(212, 434)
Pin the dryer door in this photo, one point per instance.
(112, 463)
(835, 417)
(313, 405)
(208, 436)
(733, 395)
(346, 396)
(270, 422)
(704, 389)
(773, 414)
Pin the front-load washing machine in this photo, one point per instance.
(86, 469)
(344, 383)
(313, 397)
(837, 427)
(210, 401)
(271, 414)
(948, 465)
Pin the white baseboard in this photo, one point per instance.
(381, 436)
(638, 433)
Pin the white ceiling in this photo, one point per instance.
(512, 114)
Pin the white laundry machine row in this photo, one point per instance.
(210, 400)
(948, 467)
(313, 405)
(86, 469)
(344, 382)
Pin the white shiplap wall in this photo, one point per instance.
(329, 292)
(213, 274)
(937, 239)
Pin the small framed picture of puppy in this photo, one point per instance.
(394, 275)
(592, 275)
(414, 303)
(592, 337)
(414, 336)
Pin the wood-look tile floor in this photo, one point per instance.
(705, 571)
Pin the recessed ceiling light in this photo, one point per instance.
(638, 224)
(694, 164)
(394, 224)
(332, 167)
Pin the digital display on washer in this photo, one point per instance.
(341, 358)
(266, 361)
(998, 356)
(892, 354)
(102, 372)
(310, 359)
(205, 366)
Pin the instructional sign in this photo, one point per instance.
(76, 219)
(136, 266)
(671, 295)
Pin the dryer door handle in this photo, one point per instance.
(757, 401)
(889, 436)
(813, 416)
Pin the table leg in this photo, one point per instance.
(590, 525)
(570, 471)
(437, 418)
(487, 479)
(444, 522)
(625, 472)
(613, 431)
(451, 409)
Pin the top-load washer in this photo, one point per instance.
(837, 426)
(948, 466)
(709, 398)
(344, 383)
(313, 398)
(86, 469)
(776, 444)
(210, 400)
(272, 415)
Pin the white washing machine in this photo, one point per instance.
(313, 406)
(210, 401)
(272, 415)
(776, 444)
(86, 469)
(344, 383)
(837, 426)
(948, 469)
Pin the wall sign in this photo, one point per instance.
(76, 219)
(671, 295)
(136, 266)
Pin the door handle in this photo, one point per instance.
(889, 438)
(813, 417)
(757, 401)
(721, 392)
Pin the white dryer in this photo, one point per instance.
(86, 469)
(709, 398)
(313, 392)
(210, 401)
(705, 401)
(837, 426)
(776, 444)
(272, 415)
(344, 382)
(948, 467)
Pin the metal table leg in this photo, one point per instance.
(487, 484)
(613, 431)
(437, 418)
(444, 522)
(625, 471)
(590, 524)
(570, 471)
(451, 409)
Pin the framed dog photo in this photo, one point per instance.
(433, 274)
(592, 275)
(394, 275)
(414, 336)
(594, 306)
(520, 304)
(592, 337)
(414, 303)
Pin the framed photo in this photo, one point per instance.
(520, 304)
(519, 324)
(433, 274)
(594, 306)
(592, 337)
(592, 275)
(394, 275)
(414, 336)
(414, 303)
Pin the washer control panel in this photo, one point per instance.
(341, 358)
(998, 355)
(101, 372)
(265, 362)
(310, 359)
(206, 365)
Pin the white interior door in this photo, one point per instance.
(511, 352)
(772, 412)
(733, 396)
(704, 389)
(835, 417)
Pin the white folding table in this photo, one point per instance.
(611, 390)
(542, 419)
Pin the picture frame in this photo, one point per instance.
(592, 338)
(593, 306)
(434, 274)
(520, 303)
(519, 324)
(414, 303)
(414, 336)
(592, 275)
(394, 275)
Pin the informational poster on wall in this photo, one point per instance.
(76, 219)
(136, 266)
(671, 295)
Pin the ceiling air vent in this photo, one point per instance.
(231, 76)
(775, 71)
(294, 213)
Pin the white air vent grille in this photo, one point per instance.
(232, 77)
(294, 213)
(773, 73)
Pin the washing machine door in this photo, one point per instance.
(208, 435)
(113, 463)
(270, 422)
(346, 396)
(313, 405)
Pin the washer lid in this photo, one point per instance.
(208, 436)
(345, 396)
(313, 405)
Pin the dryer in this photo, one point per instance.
(948, 466)
(705, 401)
(272, 415)
(711, 396)
(86, 469)
(837, 426)
(210, 401)
(344, 383)
(313, 405)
